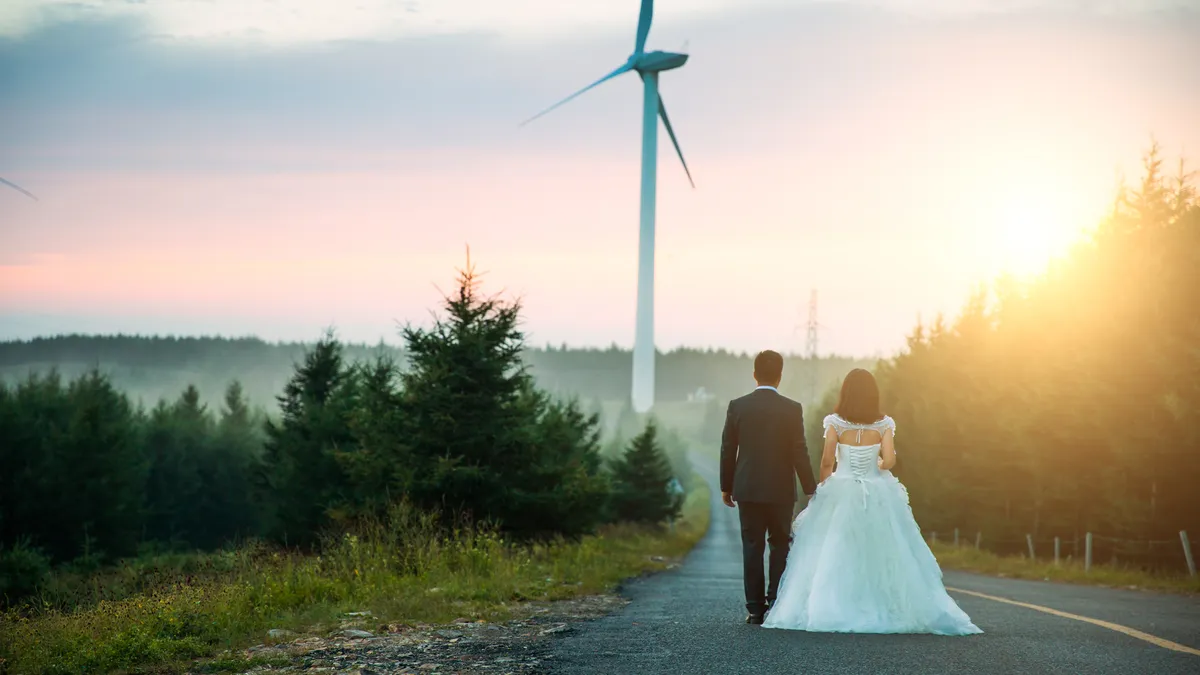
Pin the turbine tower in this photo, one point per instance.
(18, 188)
(647, 65)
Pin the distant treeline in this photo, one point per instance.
(151, 368)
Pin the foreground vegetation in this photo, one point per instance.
(968, 559)
(404, 568)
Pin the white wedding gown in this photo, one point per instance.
(858, 563)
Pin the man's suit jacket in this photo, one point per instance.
(762, 447)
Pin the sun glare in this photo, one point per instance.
(1032, 232)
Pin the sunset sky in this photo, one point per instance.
(274, 167)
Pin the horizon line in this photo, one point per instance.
(546, 347)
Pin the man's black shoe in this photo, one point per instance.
(754, 619)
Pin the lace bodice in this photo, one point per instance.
(841, 426)
(859, 460)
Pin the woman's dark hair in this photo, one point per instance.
(859, 401)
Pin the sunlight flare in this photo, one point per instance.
(1032, 231)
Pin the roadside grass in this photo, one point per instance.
(401, 570)
(967, 559)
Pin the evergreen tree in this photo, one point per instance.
(302, 476)
(179, 440)
(482, 438)
(379, 466)
(237, 449)
(570, 490)
(15, 461)
(642, 481)
(71, 467)
(90, 491)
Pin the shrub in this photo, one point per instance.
(23, 570)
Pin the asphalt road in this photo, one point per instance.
(691, 620)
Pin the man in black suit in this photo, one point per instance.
(762, 447)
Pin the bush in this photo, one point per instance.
(23, 570)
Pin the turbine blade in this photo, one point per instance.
(626, 67)
(644, 25)
(662, 112)
(18, 188)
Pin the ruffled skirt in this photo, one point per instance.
(858, 564)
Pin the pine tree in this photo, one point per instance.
(237, 449)
(483, 440)
(303, 479)
(642, 481)
(571, 491)
(379, 464)
(93, 488)
(176, 437)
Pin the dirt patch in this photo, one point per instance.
(520, 645)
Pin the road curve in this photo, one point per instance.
(690, 620)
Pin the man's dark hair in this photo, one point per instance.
(768, 366)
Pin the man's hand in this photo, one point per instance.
(727, 497)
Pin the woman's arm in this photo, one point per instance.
(887, 455)
(829, 453)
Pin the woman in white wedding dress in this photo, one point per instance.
(858, 563)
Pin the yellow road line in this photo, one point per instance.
(1131, 632)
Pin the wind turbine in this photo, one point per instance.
(18, 188)
(647, 65)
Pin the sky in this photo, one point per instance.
(274, 167)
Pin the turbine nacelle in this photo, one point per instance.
(657, 61)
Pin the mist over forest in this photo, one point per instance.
(153, 368)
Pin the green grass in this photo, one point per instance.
(403, 570)
(967, 559)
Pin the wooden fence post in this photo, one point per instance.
(956, 537)
(1087, 552)
(1187, 552)
(1056, 547)
(978, 537)
(1029, 541)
